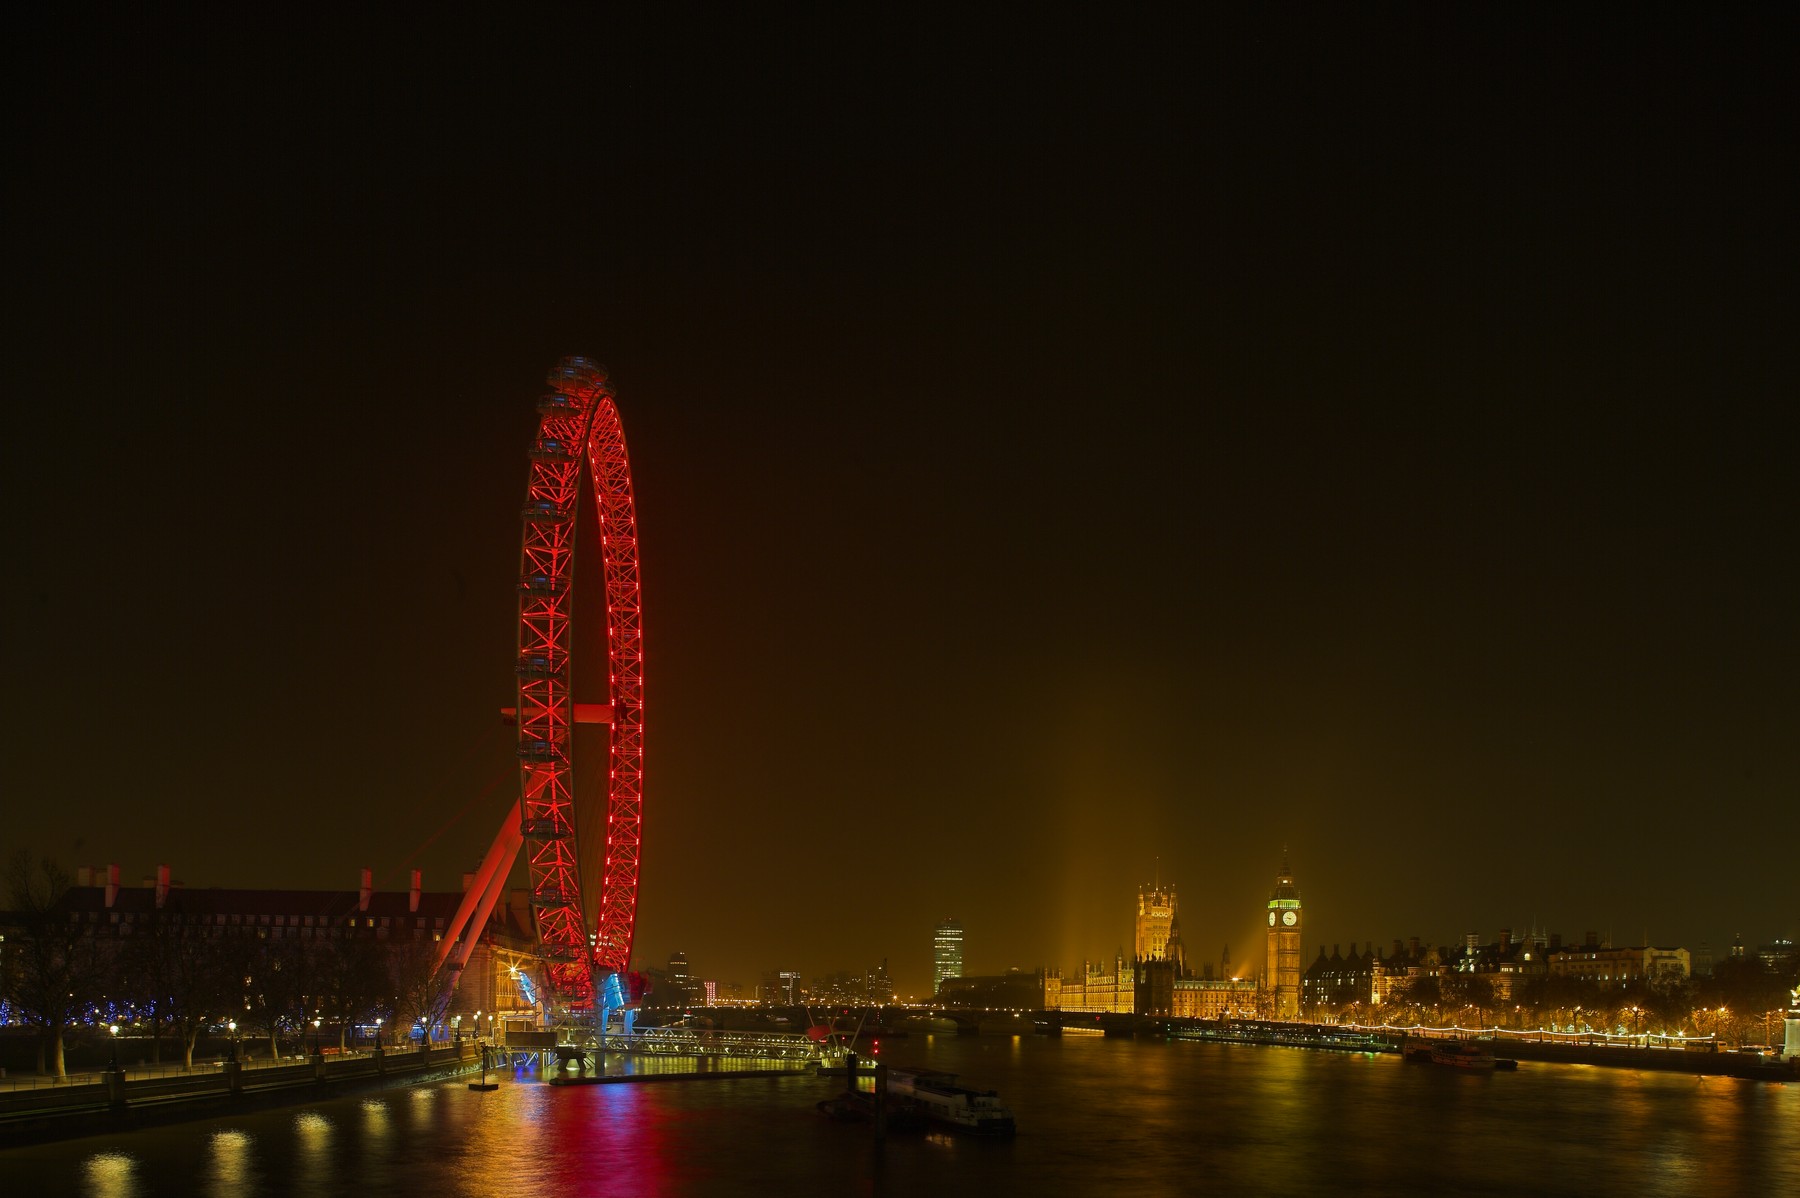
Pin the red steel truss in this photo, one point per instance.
(578, 421)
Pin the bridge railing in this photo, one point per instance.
(708, 1042)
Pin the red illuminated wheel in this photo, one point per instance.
(579, 433)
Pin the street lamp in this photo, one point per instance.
(113, 1064)
(317, 1051)
(232, 1026)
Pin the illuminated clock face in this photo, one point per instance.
(1271, 919)
(1289, 918)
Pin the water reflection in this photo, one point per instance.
(233, 1163)
(313, 1156)
(376, 1125)
(1094, 1115)
(111, 1175)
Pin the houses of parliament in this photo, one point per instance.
(1160, 979)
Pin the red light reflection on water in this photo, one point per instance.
(566, 1139)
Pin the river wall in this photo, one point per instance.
(118, 1101)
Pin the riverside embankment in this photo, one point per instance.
(1700, 1057)
(123, 1100)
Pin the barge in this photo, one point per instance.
(941, 1101)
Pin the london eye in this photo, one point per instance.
(579, 435)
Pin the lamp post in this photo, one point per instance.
(317, 1051)
(113, 1063)
(231, 1026)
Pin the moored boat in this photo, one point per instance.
(1462, 1054)
(938, 1097)
(858, 1106)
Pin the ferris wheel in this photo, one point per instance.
(579, 436)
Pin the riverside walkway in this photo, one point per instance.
(41, 1108)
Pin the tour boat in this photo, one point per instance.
(937, 1096)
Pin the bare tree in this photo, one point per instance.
(202, 986)
(284, 986)
(181, 976)
(1470, 990)
(307, 985)
(56, 968)
(352, 981)
(143, 978)
(1421, 994)
(422, 994)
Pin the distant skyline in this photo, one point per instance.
(1059, 444)
(915, 978)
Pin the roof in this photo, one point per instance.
(322, 906)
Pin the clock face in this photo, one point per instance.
(1289, 918)
(1271, 919)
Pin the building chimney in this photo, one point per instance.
(1592, 940)
(1412, 945)
(162, 885)
(112, 884)
(1556, 942)
(1505, 939)
(84, 875)
(368, 890)
(412, 896)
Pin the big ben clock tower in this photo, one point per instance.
(1284, 943)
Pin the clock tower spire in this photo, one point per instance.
(1284, 942)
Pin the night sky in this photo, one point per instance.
(1067, 447)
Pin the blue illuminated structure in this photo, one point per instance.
(613, 998)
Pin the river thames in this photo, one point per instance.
(1094, 1115)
